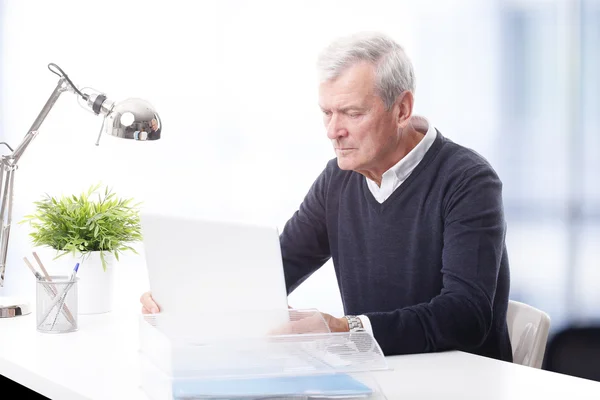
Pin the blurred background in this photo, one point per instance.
(235, 84)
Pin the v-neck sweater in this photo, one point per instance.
(428, 266)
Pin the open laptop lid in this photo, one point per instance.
(220, 269)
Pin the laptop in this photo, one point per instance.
(223, 275)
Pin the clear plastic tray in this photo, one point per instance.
(196, 358)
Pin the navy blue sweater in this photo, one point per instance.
(428, 266)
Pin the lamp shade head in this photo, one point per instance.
(135, 119)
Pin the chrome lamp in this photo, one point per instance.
(132, 118)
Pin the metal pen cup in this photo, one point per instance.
(56, 304)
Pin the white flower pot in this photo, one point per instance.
(95, 285)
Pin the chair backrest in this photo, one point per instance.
(528, 330)
(575, 351)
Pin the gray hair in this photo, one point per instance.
(394, 71)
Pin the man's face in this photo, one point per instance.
(154, 124)
(362, 132)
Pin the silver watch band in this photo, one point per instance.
(354, 323)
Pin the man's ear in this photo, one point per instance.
(403, 108)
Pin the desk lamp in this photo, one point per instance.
(132, 119)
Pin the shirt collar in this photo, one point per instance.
(405, 166)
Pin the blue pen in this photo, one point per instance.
(74, 271)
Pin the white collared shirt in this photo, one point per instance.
(395, 176)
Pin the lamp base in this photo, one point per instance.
(13, 307)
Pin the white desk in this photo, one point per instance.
(100, 362)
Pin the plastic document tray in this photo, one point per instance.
(303, 360)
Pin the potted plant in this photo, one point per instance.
(92, 229)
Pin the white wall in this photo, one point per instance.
(234, 83)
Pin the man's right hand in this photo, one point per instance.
(148, 304)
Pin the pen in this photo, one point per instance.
(37, 274)
(74, 273)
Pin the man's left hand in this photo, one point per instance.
(314, 324)
(336, 324)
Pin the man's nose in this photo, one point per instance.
(335, 128)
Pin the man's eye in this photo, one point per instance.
(327, 113)
(354, 115)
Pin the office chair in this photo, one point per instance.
(528, 330)
(575, 351)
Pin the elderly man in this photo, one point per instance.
(414, 222)
(154, 133)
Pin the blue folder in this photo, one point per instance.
(331, 385)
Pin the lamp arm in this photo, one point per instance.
(61, 87)
(8, 165)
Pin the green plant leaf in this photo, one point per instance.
(103, 260)
(82, 224)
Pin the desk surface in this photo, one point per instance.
(100, 361)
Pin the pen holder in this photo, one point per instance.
(56, 304)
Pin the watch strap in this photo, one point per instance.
(354, 323)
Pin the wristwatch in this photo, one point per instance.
(354, 323)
